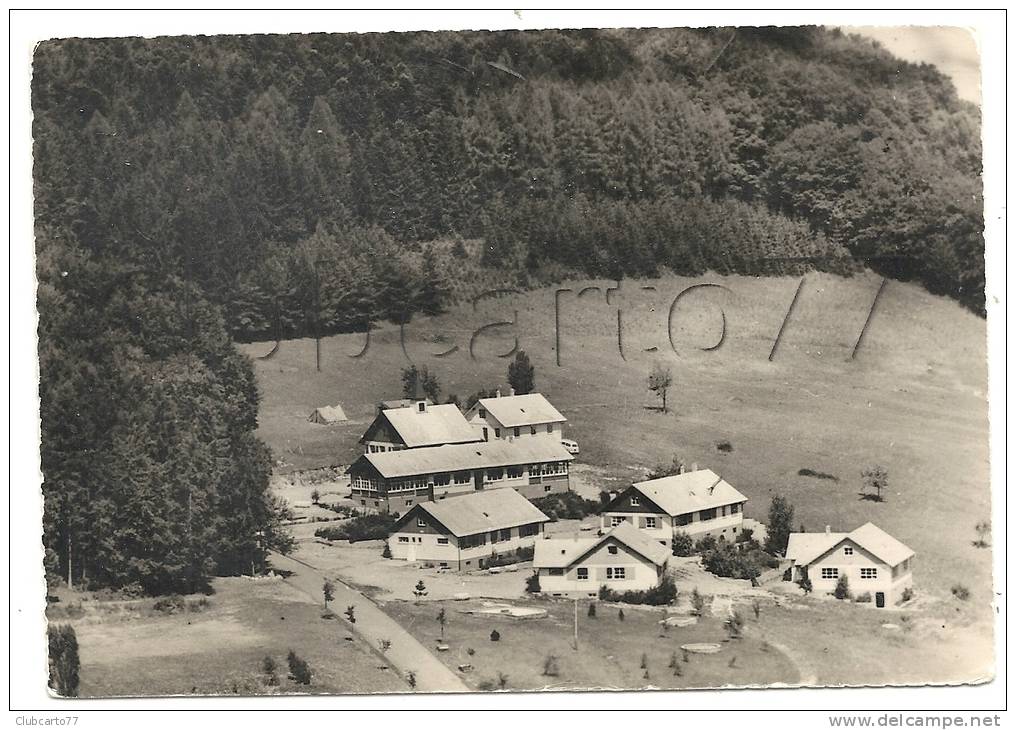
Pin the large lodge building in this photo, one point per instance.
(395, 481)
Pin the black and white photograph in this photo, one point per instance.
(645, 356)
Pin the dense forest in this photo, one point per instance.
(194, 191)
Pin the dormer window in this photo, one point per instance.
(483, 413)
(635, 501)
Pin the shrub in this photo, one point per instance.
(698, 603)
(386, 553)
(495, 635)
(299, 671)
(863, 597)
(411, 679)
(734, 625)
(706, 544)
(170, 605)
(420, 589)
(315, 496)
(567, 506)
(842, 589)
(357, 529)
(64, 662)
(550, 667)
(805, 584)
(683, 545)
(961, 592)
(533, 583)
(745, 560)
(270, 669)
(745, 535)
(874, 478)
(725, 446)
(659, 595)
(908, 594)
(591, 612)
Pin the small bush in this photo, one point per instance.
(863, 598)
(725, 446)
(683, 545)
(661, 595)
(533, 583)
(495, 635)
(299, 671)
(908, 594)
(745, 560)
(411, 679)
(364, 527)
(64, 662)
(591, 612)
(567, 506)
(698, 603)
(386, 553)
(961, 592)
(170, 605)
(550, 666)
(270, 669)
(734, 625)
(620, 614)
(805, 584)
(842, 590)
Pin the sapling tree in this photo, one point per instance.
(442, 619)
(659, 382)
(875, 479)
(420, 590)
(328, 591)
(351, 614)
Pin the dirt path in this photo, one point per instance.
(406, 653)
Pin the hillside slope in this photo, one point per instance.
(913, 399)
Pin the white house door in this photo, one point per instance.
(411, 554)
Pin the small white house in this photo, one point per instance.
(873, 562)
(516, 417)
(697, 502)
(623, 559)
(467, 532)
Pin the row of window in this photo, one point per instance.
(405, 538)
(516, 431)
(834, 573)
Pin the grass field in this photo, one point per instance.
(128, 649)
(913, 398)
(609, 655)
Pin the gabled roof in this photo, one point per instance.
(690, 492)
(459, 457)
(442, 424)
(521, 410)
(490, 509)
(805, 548)
(402, 403)
(563, 552)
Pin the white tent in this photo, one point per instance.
(327, 414)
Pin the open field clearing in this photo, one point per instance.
(128, 649)
(901, 402)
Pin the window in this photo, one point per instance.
(486, 435)
(517, 432)
(684, 519)
(616, 520)
(442, 541)
(420, 522)
(409, 503)
(555, 571)
(615, 573)
(495, 475)
(532, 430)
(550, 428)
(506, 534)
(483, 414)
(403, 539)
(497, 433)
(847, 550)
(441, 480)
(612, 549)
(462, 477)
(515, 472)
(735, 508)
(869, 573)
(546, 488)
(830, 573)
(363, 502)
(529, 530)
(635, 501)
(582, 574)
(708, 514)
(651, 523)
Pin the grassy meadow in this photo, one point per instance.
(912, 399)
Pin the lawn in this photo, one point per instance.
(913, 398)
(128, 649)
(609, 655)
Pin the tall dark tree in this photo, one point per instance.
(521, 374)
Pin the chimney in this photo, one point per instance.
(497, 394)
(828, 530)
(421, 406)
(511, 391)
(694, 466)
